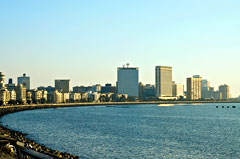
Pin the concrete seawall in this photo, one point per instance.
(29, 146)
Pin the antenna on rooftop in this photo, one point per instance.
(127, 65)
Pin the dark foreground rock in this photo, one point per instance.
(14, 144)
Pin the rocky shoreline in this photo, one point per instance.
(28, 144)
(25, 148)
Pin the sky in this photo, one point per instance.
(86, 40)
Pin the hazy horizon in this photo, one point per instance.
(86, 41)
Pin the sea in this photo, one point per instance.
(149, 131)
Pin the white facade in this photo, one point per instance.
(127, 81)
(194, 87)
(75, 97)
(21, 94)
(163, 77)
(65, 97)
(225, 90)
(96, 96)
(3, 90)
(177, 90)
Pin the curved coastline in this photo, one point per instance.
(28, 144)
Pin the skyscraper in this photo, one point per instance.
(62, 86)
(163, 77)
(194, 87)
(25, 81)
(225, 91)
(127, 81)
(205, 87)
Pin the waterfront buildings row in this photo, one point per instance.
(208, 92)
(19, 94)
(127, 87)
(198, 88)
(165, 88)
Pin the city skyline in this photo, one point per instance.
(131, 74)
(89, 40)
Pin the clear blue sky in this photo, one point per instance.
(86, 40)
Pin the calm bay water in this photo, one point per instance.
(135, 131)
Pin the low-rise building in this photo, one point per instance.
(3, 90)
(48, 88)
(178, 90)
(12, 96)
(55, 97)
(65, 97)
(120, 97)
(37, 96)
(96, 88)
(106, 97)
(29, 97)
(146, 92)
(108, 88)
(75, 97)
(82, 89)
(95, 97)
(3, 96)
(44, 96)
(21, 94)
(84, 97)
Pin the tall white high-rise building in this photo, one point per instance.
(127, 81)
(163, 81)
(194, 88)
(225, 91)
(25, 81)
